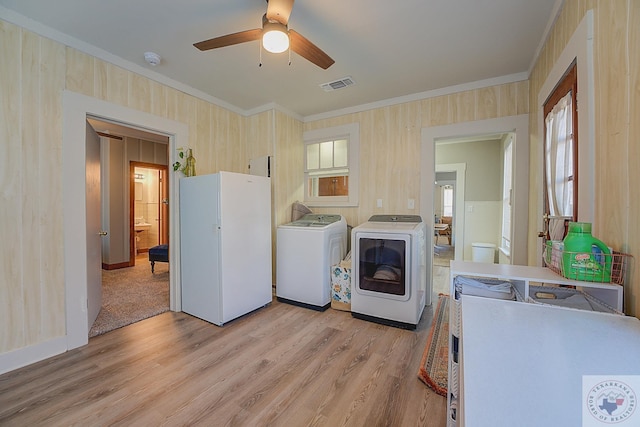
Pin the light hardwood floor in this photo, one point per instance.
(280, 365)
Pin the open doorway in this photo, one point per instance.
(444, 192)
(148, 208)
(133, 212)
(478, 207)
(450, 181)
(76, 109)
(468, 202)
(471, 168)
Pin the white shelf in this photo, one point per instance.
(608, 293)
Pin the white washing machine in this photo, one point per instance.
(389, 274)
(306, 250)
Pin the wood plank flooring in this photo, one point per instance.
(278, 366)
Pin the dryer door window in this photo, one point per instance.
(382, 266)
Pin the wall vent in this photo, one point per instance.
(338, 84)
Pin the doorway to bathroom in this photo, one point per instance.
(135, 216)
(77, 108)
(148, 208)
(478, 205)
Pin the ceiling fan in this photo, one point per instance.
(276, 36)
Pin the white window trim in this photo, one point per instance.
(352, 133)
(507, 196)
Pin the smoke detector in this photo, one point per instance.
(152, 58)
(338, 84)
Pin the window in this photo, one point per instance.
(506, 194)
(331, 166)
(447, 200)
(560, 156)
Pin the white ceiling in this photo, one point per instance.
(392, 49)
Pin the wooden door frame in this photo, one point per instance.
(567, 84)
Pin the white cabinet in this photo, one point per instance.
(524, 364)
(501, 352)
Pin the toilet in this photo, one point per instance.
(483, 252)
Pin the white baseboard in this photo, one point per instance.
(27, 355)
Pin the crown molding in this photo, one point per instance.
(511, 78)
(72, 42)
(273, 106)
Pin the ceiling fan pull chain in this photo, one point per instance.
(289, 54)
(260, 49)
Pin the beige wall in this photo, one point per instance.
(390, 140)
(617, 128)
(35, 71)
(484, 167)
(31, 261)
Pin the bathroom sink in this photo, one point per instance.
(142, 226)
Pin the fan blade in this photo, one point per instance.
(279, 10)
(230, 39)
(309, 51)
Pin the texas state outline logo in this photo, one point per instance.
(610, 400)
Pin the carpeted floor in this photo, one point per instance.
(434, 365)
(132, 294)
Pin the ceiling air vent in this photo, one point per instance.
(338, 84)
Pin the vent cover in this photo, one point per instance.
(338, 84)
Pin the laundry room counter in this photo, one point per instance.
(523, 364)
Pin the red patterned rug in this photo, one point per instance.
(434, 365)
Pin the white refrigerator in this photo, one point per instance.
(225, 245)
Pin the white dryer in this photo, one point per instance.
(306, 250)
(389, 279)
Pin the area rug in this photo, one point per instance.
(434, 364)
(132, 294)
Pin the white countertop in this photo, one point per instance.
(523, 363)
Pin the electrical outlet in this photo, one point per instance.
(379, 203)
(411, 204)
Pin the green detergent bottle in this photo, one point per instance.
(579, 261)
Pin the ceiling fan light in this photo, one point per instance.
(275, 38)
